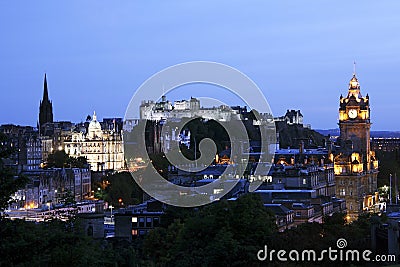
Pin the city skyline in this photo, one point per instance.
(300, 54)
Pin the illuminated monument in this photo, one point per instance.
(102, 148)
(356, 167)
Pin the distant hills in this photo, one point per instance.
(383, 134)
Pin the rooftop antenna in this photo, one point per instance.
(354, 68)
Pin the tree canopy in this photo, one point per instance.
(121, 190)
(60, 159)
(218, 234)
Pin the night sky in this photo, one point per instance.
(97, 53)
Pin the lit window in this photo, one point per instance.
(342, 192)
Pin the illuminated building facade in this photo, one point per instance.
(163, 110)
(356, 167)
(101, 147)
(51, 187)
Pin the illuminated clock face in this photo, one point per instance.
(352, 113)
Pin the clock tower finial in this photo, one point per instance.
(354, 85)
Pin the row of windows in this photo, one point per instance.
(310, 213)
(34, 162)
(342, 192)
(342, 182)
(145, 222)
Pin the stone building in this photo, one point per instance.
(101, 147)
(26, 144)
(163, 110)
(33, 151)
(291, 117)
(53, 186)
(356, 167)
(306, 169)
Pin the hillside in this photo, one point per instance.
(292, 135)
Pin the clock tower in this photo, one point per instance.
(354, 122)
(355, 165)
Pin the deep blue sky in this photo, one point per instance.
(300, 53)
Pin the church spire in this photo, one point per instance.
(46, 107)
(45, 91)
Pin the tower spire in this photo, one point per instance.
(354, 68)
(45, 91)
(45, 107)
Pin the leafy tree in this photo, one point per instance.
(122, 186)
(160, 163)
(220, 234)
(60, 159)
(52, 243)
(57, 159)
(68, 199)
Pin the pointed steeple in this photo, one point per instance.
(46, 107)
(45, 90)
